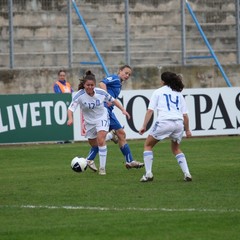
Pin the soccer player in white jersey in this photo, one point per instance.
(96, 118)
(172, 120)
(113, 85)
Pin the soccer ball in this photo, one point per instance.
(79, 164)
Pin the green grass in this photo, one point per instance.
(42, 198)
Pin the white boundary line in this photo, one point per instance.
(123, 209)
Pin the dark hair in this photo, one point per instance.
(173, 80)
(61, 70)
(88, 76)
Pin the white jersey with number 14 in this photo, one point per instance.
(170, 105)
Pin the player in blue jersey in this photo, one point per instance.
(113, 85)
(172, 120)
(96, 118)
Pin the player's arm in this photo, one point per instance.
(70, 117)
(186, 125)
(185, 118)
(147, 118)
(103, 86)
(119, 105)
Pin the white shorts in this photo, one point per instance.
(168, 128)
(93, 128)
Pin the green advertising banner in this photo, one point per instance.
(34, 118)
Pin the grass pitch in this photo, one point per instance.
(42, 198)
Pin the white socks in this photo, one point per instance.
(102, 156)
(148, 161)
(182, 163)
(109, 136)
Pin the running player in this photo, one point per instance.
(91, 101)
(113, 85)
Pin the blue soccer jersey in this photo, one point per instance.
(113, 84)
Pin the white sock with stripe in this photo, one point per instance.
(102, 156)
(182, 163)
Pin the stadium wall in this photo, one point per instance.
(31, 81)
(41, 30)
(41, 39)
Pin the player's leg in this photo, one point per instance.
(176, 137)
(122, 142)
(160, 131)
(181, 159)
(150, 142)
(101, 135)
(126, 151)
(112, 136)
(92, 154)
(91, 134)
(102, 128)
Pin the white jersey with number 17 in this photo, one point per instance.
(92, 106)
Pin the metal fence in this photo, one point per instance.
(48, 33)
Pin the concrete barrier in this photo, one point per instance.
(41, 80)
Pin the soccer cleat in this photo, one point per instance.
(187, 177)
(92, 165)
(147, 178)
(102, 171)
(114, 136)
(134, 164)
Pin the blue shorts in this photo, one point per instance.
(114, 123)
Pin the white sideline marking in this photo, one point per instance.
(122, 209)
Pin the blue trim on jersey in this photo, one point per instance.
(79, 93)
(101, 92)
(104, 93)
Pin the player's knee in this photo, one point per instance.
(121, 134)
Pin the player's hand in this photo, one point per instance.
(142, 131)
(109, 104)
(69, 122)
(126, 114)
(188, 133)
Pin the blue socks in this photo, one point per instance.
(127, 153)
(124, 149)
(92, 153)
